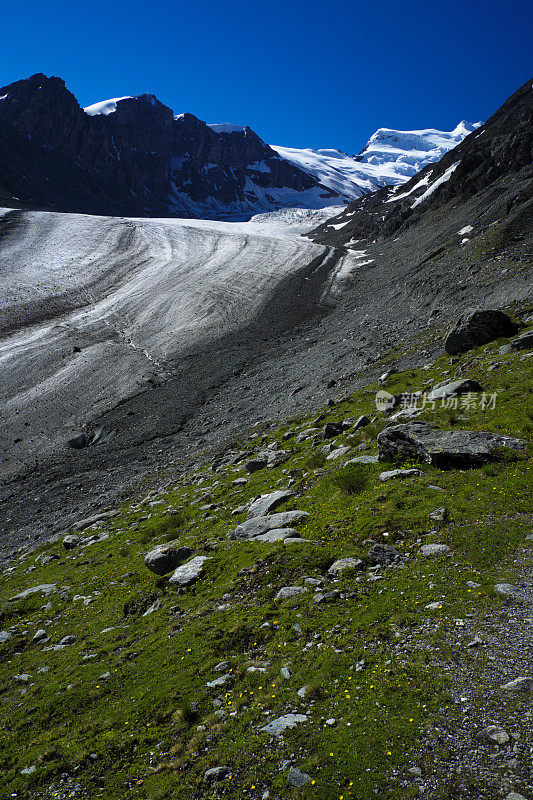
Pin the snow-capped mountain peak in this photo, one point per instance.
(390, 157)
(414, 148)
(133, 156)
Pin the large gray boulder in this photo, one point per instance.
(166, 557)
(188, 573)
(268, 502)
(258, 525)
(477, 327)
(418, 441)
(45, 588)
(454, 389)
(277, 535)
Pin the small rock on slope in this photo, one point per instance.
(166, 557)
(189, 572)
(298, 778)
(395, 474)
(454, 389)
(519, 685)
(290, 591)
(433, 550)
(268, 502)
(344, 563)
(278, 726)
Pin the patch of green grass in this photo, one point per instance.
(126, 709)
(352, 479)
(316, 461)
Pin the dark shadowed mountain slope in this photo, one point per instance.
(489, 176)
(139, 160)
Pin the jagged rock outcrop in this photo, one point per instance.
(138, 160)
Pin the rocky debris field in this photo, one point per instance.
(328, 608)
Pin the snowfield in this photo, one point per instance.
(411, 151)
(105, 107)
(432, 186)
(389, 158)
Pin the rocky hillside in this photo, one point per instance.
(301, 613)
(488, 177)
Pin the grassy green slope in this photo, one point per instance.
(125, 709)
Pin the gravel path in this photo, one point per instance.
(457, 758)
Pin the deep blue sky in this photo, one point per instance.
(302, 73)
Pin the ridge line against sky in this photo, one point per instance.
(299, 73)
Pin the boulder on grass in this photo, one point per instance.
(418, 441)
(265, 504)
(454, 389)
(166, 557)
(71, 541)
(345, 563)
(477, 327)
(188, 573)
(259, 525)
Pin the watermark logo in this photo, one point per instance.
(418, 401)
(385, 401)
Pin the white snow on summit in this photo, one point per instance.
(334, 169)
(105, 107)
(411, 151)
(389, 158)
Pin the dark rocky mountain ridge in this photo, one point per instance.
(138, 161)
